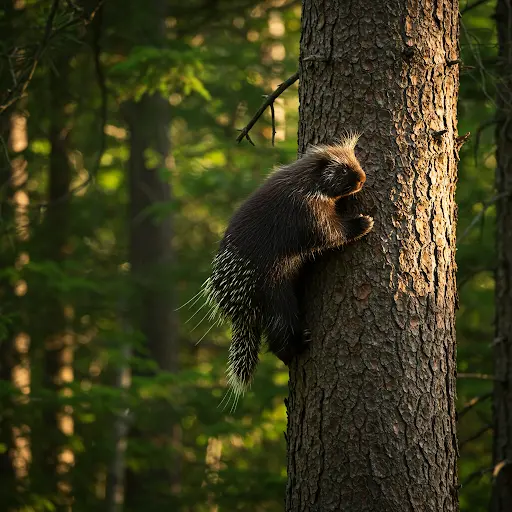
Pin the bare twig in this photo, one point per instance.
(476, 474)
(460, 141)
(478, 376)
(100, 77)
(82, 19)
(472, 403)
(481, 213)
(14, 94)
(476, 435)
(495, 470)
(244, 132)
(21, 82)
(273, 114)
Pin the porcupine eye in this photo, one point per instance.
(339, 180)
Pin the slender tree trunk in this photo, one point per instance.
(371, 409)
(7, 257)
(150, 237)
(150, 258)
(57, 348)
(502, 405)
(7, 299)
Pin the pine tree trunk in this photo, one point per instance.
(150, 256)
(502, 403)
(372, 402)
(150, 238)
(55, 238)
(7, 299)
(7, 258)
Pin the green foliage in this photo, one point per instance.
(475, 254)
(162, 70)
(213, 63)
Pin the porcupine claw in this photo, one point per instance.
(286, 356)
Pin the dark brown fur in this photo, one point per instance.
(291, 217)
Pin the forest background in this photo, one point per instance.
(124, 141)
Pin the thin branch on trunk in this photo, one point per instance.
(495, 470)
(478, 376)
(475, 436)
(269, 101)
(472, 403)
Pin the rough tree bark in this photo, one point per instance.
(502, 403)
(371, 409)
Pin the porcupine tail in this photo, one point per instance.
(243, 358)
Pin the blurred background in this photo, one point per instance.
(119, 171)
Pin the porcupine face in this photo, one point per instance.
(340, 179)
(342, 175)
(339, 172)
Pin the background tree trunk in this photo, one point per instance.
(502, 404)
(150, 237)
(150, 255)
(7, 299)
(58, 350)
(8, 250)
(371, 408)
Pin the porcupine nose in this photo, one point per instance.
(361, 179)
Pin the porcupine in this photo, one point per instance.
(289, 219)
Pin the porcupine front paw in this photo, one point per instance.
(358, 226)
(305, 340)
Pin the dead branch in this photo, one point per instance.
(22, 81)
(472, 403)
(269, 101)
(481, 376)
(460, 141)
(476, 474)
(495, 470)
(101, 81)
(102, 85)
(475, 436)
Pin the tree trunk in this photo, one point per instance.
(150, 256)
(502, 404)
(7, 299)
(150, 238)
(57, 343)
(150, 259)
(372, 403)
(7, 258)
